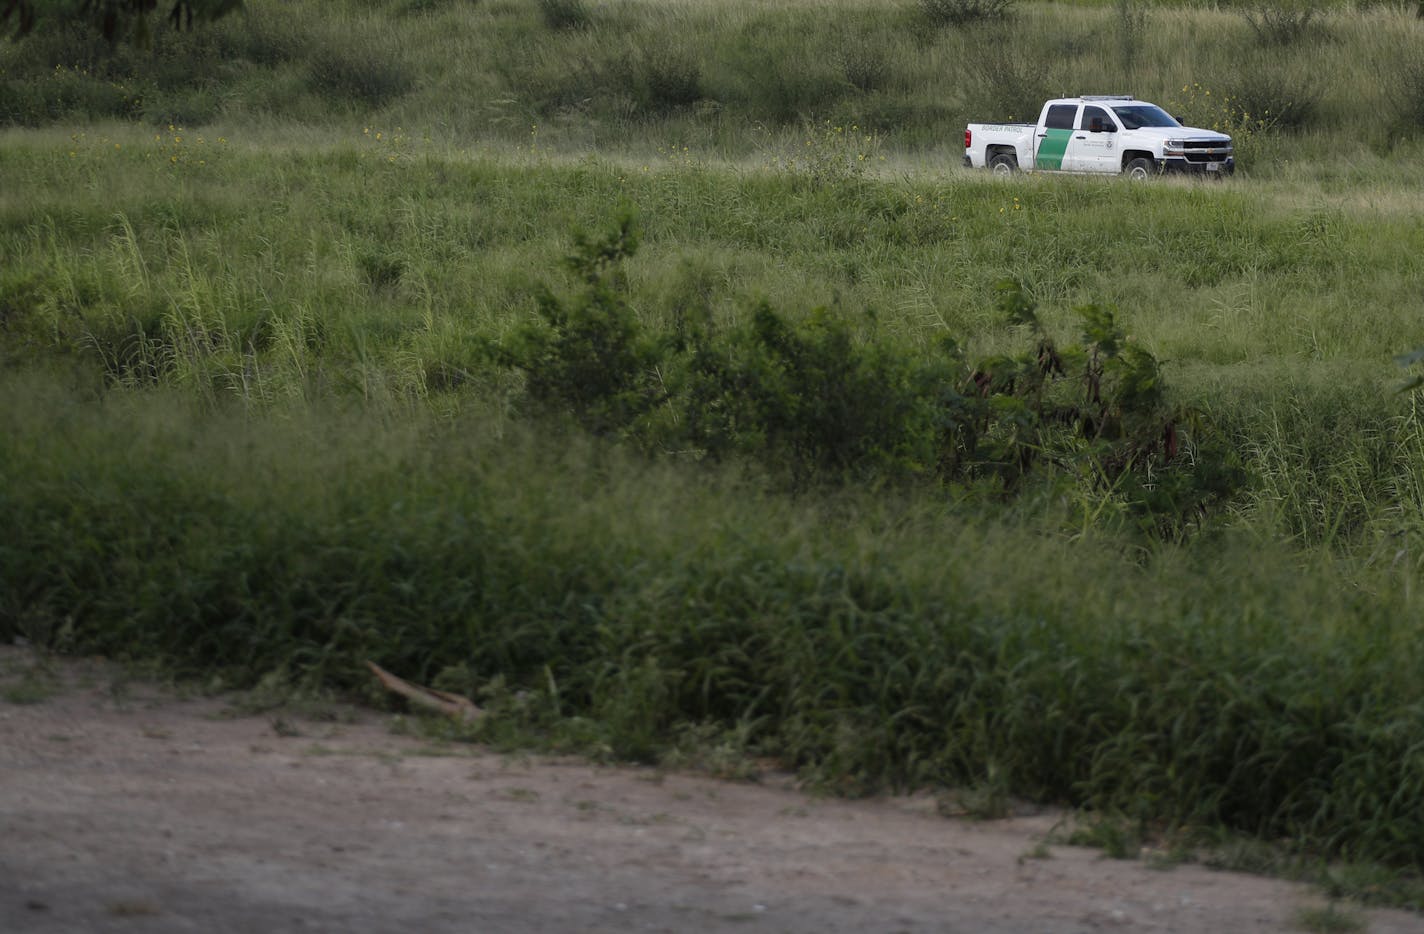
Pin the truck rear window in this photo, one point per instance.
(1060, 116)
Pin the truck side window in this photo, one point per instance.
(1096, 120)
(1060, 117)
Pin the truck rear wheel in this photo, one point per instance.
(1004, 163)
(1139, 168)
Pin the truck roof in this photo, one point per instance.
(1096, 97)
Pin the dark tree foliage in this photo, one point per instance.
(113, 19)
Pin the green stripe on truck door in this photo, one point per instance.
(1051, 149)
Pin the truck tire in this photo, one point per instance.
(1004, 163)
(1139, 169)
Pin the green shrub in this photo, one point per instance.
(1405, 90)
(191, 108)
(352, 76)
(1275, 100)
(1283, 23)
(830, 155)
(662, 78)
(772, 85)
(1249, 131)
(1005, 85)
(67, 94)
(963, 12)
(815, 403)
(380, 269)
(565, 14)
(864, 66)
(588, 359)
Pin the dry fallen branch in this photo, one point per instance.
(452, 705)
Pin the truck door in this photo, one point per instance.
(1054, 135)
(1093, 146)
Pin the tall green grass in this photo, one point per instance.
(718, 75)
(111, 229)
(869, 640)
(265, 270)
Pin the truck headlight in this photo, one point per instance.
(1174, 147)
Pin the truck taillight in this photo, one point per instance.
(968, 138)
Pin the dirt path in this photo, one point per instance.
(125, 808)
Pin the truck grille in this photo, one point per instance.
(1204, 150)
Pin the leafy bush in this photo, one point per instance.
(775, 87)
(587, 358)
(1405, 90)
(864, 66)
(1197, 106)
(66, 93)
(962, 12)
(1007, 85)
(662, 78)
(672, 79)
(814, 404)
(812, 401)
(380, 269)
(1275, 100)
(565, 14)
(829, 154)
(1283, 23)
(355, 76)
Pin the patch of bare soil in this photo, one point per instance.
(129, 808)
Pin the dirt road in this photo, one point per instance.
(126, 808)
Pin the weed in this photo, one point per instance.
(831, 154)
(1040, 850)
(1275, 100)
(1405, 90)
(1283, 23)
(587, 358)
(963, 12)
(1009, 86)
(565, 14)
(663, 79)
(864, 66)
(27, 690)
(1329, 920)
(1131, 26)
(367, 78)
(1117, 837)
(714, 750)
(988, 800)
(380, 270)
(1198, 106)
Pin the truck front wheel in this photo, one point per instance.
(1139, 168)
(1004, 163)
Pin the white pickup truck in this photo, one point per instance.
(1112, 134)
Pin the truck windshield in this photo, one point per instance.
(1137, 116)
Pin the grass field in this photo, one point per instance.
(295, 375)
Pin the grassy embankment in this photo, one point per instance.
(254, 423)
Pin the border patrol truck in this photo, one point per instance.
(1114, 134)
